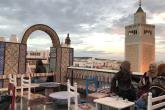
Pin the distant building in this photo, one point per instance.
(90, 62)
(2, 39)
(140, 42)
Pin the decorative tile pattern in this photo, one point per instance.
(22, 59)
(53, 52)
(64, 63)
(71, 56)
(58, 65)
(53, 59)
(11, 58)
(45, 28)
(52, 64)
(2, 45)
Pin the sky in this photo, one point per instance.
(96, 27)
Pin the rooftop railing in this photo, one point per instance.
(104, 76)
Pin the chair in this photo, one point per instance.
(13, 80)
(30, 98)
(159, 102)
(72, 90)
(97, 94)
(11, 92)
(94, 80)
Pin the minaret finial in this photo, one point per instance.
(140, 3)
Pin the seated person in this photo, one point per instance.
(158, 85)
(157, 88)
(146, 80)
(39, 69)
(122, 83)
(50, 78)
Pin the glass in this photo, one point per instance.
(126, 100)
(117, 97)
(120, 98)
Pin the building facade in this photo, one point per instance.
(140, 42)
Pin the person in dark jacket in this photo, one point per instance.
(50, 78)
(122, 83)
(39, 69)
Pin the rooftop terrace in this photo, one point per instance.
(75, 74)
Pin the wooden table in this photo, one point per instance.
(114, 102)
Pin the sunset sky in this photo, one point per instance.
(96, 27)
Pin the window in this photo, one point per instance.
(147, 32)
(132, 32)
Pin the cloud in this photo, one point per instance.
(98, 54)
(63, 15)
(94, 25)
(155, 6)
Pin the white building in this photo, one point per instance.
(90, 62)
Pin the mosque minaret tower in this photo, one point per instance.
(140, 42)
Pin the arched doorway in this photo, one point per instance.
(60, 57)
(54, 37)
(54, 63)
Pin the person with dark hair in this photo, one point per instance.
(157, 88)
(146, 80)
(122, 82)
(50, 78)
(158, 85)
(39, 69)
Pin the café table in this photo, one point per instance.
(114, 102)
(49, 87)
(61, 98)
(96, 95)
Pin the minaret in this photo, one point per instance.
(140, 42)
(67, 41)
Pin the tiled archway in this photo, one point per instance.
(54, 37)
